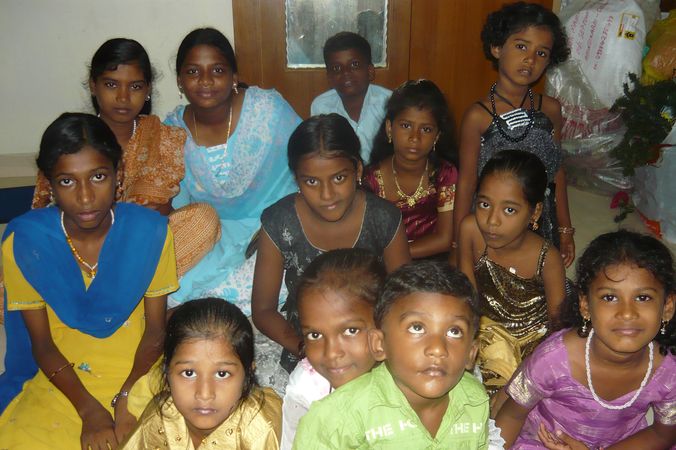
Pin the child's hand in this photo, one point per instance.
(559, 441)
(98, 429)
(124, 420)
(567, 248)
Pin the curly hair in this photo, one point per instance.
(619, 247)
(515, 17)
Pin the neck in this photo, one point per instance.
(607, 357)
(87, 235)
(353, 105)
(211, 116)
(122, 131)
(513, 92)
(413, 168)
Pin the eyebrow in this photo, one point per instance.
(69, 174)
(613, 289)
(190, 361)
(302, 175)
(529, 42)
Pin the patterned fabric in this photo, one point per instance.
(254, 425)
(421, 218)
(238, 184)
(544, 383)
(280, 221)
(540, 142)
(514, 317)
(370, 119)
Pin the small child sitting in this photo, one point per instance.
(350, 71)
(427, 321)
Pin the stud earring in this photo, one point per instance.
(663, 330)
(148, 98)
(180, 93)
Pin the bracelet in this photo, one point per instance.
(53, 374)
(454, 244)
(567, 230)
(118, 396)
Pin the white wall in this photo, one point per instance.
(46, 46)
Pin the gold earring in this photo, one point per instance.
(389, 138)
(234, 87)
(585, 326)
(534, 225)
(180, 93)
(663, 330)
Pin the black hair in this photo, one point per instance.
(118, 51)
(210, 318)
(431, 276)
(328, 136)
(516, 17)
(347, 40)
(420, 94)
(70, 133)
(618, 247)
(206, 36)
(355, 271)
(526, 167)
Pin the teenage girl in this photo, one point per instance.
(86, 289)
(521, 40)
(328, 212)
(336, 297)
(210, 397)
(120, 83)
(590, 386)
(410, 165)
(519, 275)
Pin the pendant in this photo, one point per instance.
(411, 202)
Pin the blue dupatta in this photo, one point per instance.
(127, 263)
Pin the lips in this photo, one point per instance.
(88, 216)
(629, 332)
(491, 236)
(435, 371)
(204, 411)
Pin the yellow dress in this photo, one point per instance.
(255, 425)
(40, 416)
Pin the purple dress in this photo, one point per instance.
(544, 382)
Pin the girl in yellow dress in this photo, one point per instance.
(86, 285)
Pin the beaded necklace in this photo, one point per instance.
(419, 193)
(80, 259)
(496, 117)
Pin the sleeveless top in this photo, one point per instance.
(539, 141)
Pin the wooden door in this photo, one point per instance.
(260, 44)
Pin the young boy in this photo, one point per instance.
(350, 71)
(421, 397)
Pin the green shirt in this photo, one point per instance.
(371, 412)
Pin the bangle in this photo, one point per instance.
(567, 230)
(117, 396)
(454, 244)
(53, 374)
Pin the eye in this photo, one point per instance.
(483, 205)
(404, 125)
(608, 298)
(351, 331)
(191, 71)
(455, 332)
(313, 336)
(219, 69)
(65, 182)
(643, 298)
(542, 54)
(428, 130)
(311, 181)
(355, 64)
(99, 177)
(222, 374)
(336, 69)
(416, 328)
(520, 46)
(136, 87)
(188, 373)
(109, 84)
(340, 178)
(510, 211)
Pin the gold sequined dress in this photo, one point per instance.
(514, 318)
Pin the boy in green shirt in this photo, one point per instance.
(421, 397)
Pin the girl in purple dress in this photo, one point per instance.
(590, 386)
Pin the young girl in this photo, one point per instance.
(120, 83)
(210, 398)
(590, 386)
(409, 165)
(519, 276)
(86, 288)
(336, 297)
(328, 212)
(521, 40)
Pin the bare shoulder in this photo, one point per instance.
(476, 117)
(551, 106)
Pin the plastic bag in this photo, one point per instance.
(660, 62)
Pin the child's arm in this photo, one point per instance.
(439, 241)
(147, 352)
(98, 427)
(470, 143)
(468, 232)
(510, 419)
(396, 253)
(554, 277)
(267, 281)
(552, 108)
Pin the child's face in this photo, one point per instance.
(525, 55)
(206, 378)
(206, 77)
(502, 211)
(414, 132)
(83, 184)
(335, 329)
(349, 73)
(427, 341)
(328, 185)
(626, 305)
(120, 93)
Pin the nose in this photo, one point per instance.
(437, 346)
(627, 310)
(122, 94)
(204, 389)
(333, 349)
(205, 78)
(85, 193)
(414, 134)
(493, 217)
(326, 191)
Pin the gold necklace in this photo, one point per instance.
(227, 136)
(419, 193)
(80, 259)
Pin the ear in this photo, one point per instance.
(377, 344)
(584, 306)
(372, 73)
(92, 87)
(495, 51)
(388, 128)
(537, 212)
(235, 79)
(669, 306)
(471, 357)
(360, 170)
